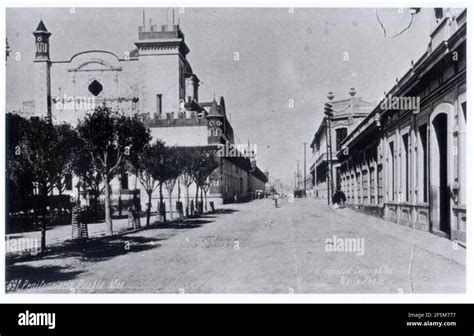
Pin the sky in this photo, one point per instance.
(288, 60)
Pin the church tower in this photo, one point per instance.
(163, 70)
(215, 125)
(42, 72)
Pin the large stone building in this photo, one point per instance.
(155, 81)
(406, 161)
(348, 113)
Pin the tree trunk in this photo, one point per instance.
(160, 210)
(43, 234)
(205, 201)
(170, 192)
(136, 179)
(148, 208)
(187, 200)
(43, 228)
(201, 208)
(43, 222)
(179, 191)
(197, 198)
(108, 218)
(60, 192)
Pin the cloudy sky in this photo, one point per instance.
(284, 55)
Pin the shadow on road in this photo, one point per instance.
(191, 222)
(186, 224)
(225, 211)
(93, 250)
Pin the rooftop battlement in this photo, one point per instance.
(160, 33)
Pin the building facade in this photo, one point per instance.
(348, 113)
(156, 82)
(406, 161)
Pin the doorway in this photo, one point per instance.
(440, 198)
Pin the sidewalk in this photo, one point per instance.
(422, 240)
(59, 233)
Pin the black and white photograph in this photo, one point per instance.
(235, 150)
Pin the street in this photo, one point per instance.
(300, 247)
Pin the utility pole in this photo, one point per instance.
(304, 167)
(298, 174)
(330, 156)
(328, 175)
(328, 111)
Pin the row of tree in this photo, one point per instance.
(104, 145)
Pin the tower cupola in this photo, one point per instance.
(42, 42)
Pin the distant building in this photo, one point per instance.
(309, 185)
(257, 183)
(348, 113)
(155, 81)
(406, 161)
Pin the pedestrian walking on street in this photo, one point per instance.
(276, 197)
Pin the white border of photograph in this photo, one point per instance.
(239, 298)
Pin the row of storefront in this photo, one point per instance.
(406, 160)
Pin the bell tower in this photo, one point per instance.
(162, 69)
(42, 72)
(215, 125)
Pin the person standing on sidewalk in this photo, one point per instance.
(339, 199)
